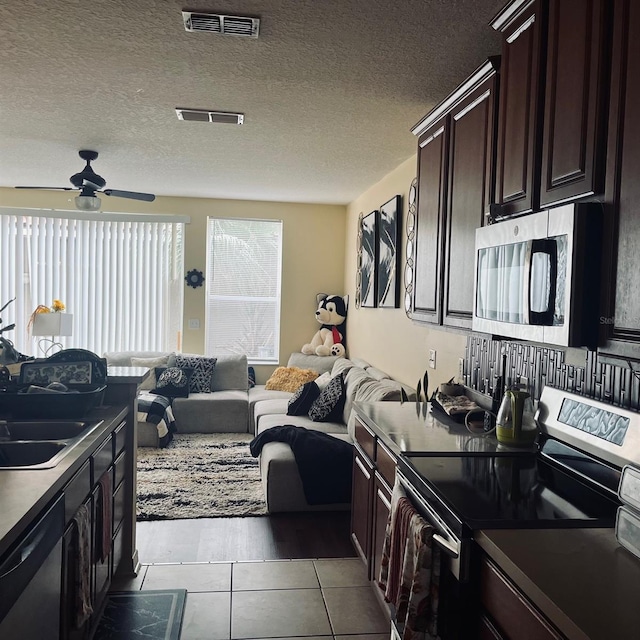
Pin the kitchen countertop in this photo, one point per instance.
(581, 579)
(24, 493)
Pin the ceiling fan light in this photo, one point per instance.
(88, 203)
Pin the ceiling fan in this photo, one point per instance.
(91, 183)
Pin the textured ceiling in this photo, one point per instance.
(329, 90)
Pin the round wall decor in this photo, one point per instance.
(194, 278)
(411, 234)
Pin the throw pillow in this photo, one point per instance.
(149, 363)
(323, 380)
(328, 406)
(289, 378)
(252, 377)
(202, 371)
(301, 401)
(172, 382)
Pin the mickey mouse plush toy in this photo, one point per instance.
(331, 338)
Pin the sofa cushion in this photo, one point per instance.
(275, 420)
(216, 412)
(341, 366)
(202, 371)
(172, 382)
(301, 401)
(150, 363)
(327, 407)
(321, 364)
(377, 374)
(231, 372)
(354, 377)
(289, 379)
(123, 358)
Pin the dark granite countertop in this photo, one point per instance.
(581, 579)
(24, 493)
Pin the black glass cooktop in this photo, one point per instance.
(499, 492)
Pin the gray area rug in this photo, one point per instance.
(200, 476)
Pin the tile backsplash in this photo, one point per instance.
(538, 366)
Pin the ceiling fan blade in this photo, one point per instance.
(50, 188)
(133, 195)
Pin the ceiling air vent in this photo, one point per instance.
(218, 23)
(203, 115)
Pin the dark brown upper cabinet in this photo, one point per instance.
(553, 99)
(621, 320)
(520, 113)
(576, 89)
(456, 178)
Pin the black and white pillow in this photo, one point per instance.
(328, 406)
(172, 382)
(202, 371)
(301, 401)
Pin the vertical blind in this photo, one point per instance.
(243, 288)
(120, 278)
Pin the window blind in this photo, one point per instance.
(243, 288)
(119, 278)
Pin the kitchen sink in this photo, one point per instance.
(31, 455)
(44, 429)
(40, 444)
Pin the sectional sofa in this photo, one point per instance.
(234, 406)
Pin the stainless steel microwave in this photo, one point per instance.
(537, 277)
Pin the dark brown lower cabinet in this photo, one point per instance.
(507, 613)
(361, 505)
(381, 509)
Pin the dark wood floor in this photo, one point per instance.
(273, 537)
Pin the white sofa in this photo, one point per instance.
(282, 484)
(224, 410)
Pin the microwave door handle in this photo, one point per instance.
(548, 248)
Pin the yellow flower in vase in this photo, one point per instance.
(58, 306)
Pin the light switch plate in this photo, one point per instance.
(194, 323)
(432, 358)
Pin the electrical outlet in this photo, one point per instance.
(432, 358)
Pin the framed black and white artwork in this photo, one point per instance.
(388, 287)
(368, 284)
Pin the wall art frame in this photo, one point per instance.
(369, 260)
(388, 261)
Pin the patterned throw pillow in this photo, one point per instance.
(172, 382)
(329, 405)
(202, 371)
(301, 401)
(252, 377)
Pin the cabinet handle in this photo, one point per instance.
(384, 500)
(363, 468)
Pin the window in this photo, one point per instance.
(244, 263)
(120, 276)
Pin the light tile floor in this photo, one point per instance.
(285, 599)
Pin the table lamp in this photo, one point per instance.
(53, 325)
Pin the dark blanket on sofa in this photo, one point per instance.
(325, 463)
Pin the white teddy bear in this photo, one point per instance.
(330, 339)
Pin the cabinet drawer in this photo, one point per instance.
(77, 490)
(386, 463)
(119, 436)
(366, 440)
(119, 470)
(514, 614)
(102, 459)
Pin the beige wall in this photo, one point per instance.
(386, 337)
(313, 253)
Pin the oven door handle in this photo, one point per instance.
(447, 547)
(449, 544)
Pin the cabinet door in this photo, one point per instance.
(471, 191)
(432, 171)
(516, 617)
(573, 144)
(623, 187)
(381, 510)
(518, 162)
(362, 489)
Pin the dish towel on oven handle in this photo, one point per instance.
(410, 569)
